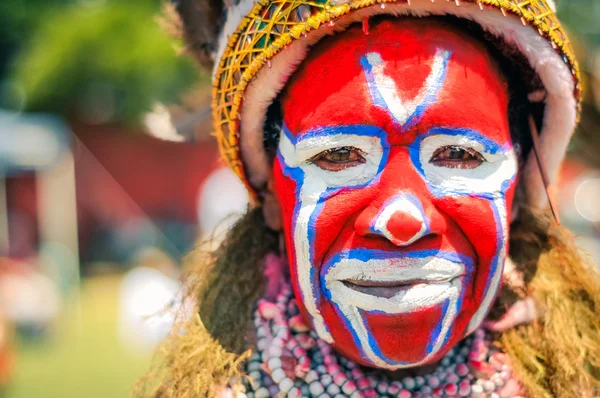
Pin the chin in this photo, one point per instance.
(399, 341)
(397, 312)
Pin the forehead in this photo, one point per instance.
(333, 88)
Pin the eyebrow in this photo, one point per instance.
(328, 131)
(490, 145)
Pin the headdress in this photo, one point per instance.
(260, 43)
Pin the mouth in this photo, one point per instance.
(385, 289)
(395, 284)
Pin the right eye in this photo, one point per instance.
(337, 159)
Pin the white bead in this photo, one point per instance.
(262, 393)
(326, 380)
(261, 332)
(283, 334)
(349, 387)
(276, 351)
(433, 382)
(278, 375)
(261, 344)
(333, 389)
(316, 388)
(408, 383)
(381, 387)
(311, 376)
(252, 366)
(477, 389)
(274, 363)
(497, 380)
(489, 386)
(286, 384)
(255, 375)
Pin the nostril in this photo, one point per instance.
(365, 221)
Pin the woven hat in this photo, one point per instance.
(259, 43)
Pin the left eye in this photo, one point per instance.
(337, 159)
(456, 157)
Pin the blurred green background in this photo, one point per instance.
(61, 56)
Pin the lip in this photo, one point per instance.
(395, 283)
(387, 289)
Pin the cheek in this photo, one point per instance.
(484, 223)
(337, 216)
(332, 216)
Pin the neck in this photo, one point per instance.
(410, 372)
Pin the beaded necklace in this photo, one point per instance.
(292, 361)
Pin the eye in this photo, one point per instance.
(337, 159)
(456, 157)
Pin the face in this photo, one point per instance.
(394, 172)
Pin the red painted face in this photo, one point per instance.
(395, 173)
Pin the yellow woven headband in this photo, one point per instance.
(256, 32)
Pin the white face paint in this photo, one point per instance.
(385, 94)
(485, 180)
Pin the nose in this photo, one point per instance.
(400, 219)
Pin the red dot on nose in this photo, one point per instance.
(403, 226)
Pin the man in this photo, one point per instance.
(391, 150)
